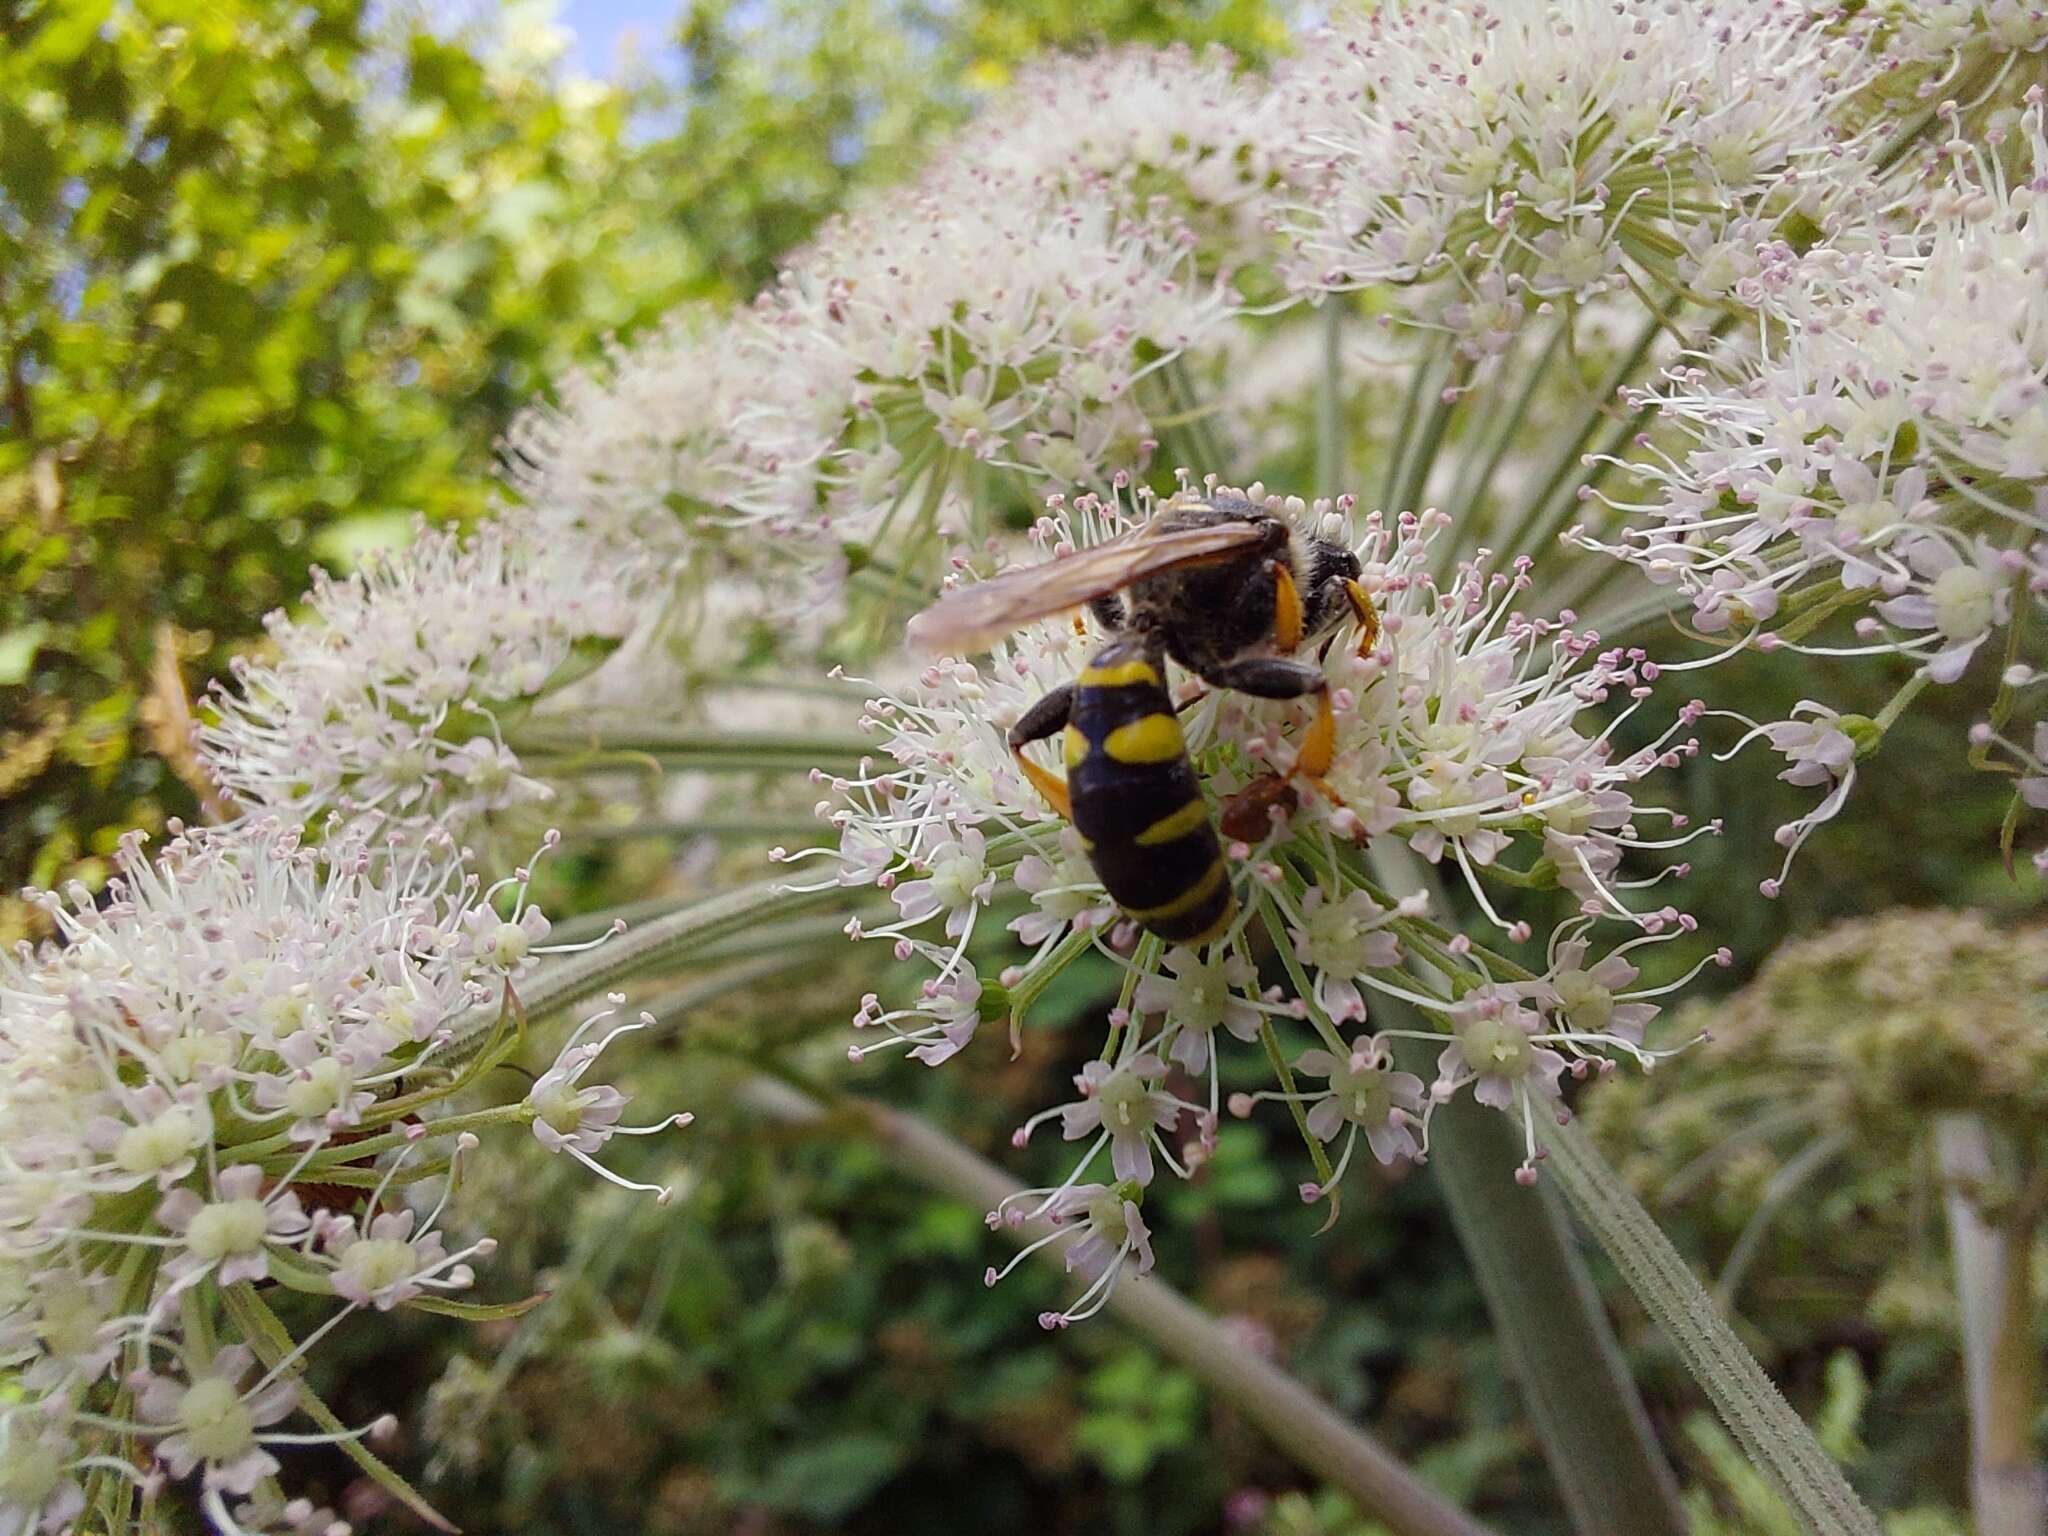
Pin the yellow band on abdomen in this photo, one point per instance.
(1191, 817)
(1149, 739)
(1188, 900)
(1120, 675)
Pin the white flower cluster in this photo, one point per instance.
(1462, 732)
(636, 460)
(968, 321)
(1491, 158)
(226, 1072)
(1883, 453)
(1153, 126)
(1953, 35)
(384, 704)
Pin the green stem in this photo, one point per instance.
(1563, 1356)
(1993, 1265)
(1330, 466)
(1421, 455)
(688, 747)
(664, 941)
(263, 1333)
(1896, 705)
(1298, 1422)
(1596, 1434)
(319, 1169)
(1411, 409)
(585, 926)
(1476, 478)
(1571, 446)
(1754, 1410)
(729, 828)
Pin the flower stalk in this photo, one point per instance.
(1297, 1421)
(1753, 1408)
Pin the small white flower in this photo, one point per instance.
(387, 1264)
(1958, 599)
(39, 1487)
(211, 1426)
(1341, 940)
(1124, 1104)
(1205, 993)
(1467, 151)
(959, 881)
(370, 704)
(1110, 1237)
(1493, 1049)
(1367, 1094)
(570, 1117)
(157, 1136)
(229, 1235)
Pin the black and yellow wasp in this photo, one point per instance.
(1229, 591)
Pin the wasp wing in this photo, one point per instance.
(974, 617)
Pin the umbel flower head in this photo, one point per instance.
(1890, 436)
(1880, 452)
(1153, 127)
(1489, 158)
(1477, 736)
(384, 703)
(1942, 51)
(238, 1026)
(973, 323)
(636, 459)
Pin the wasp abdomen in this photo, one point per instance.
(1136, 801)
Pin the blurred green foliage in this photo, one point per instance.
(271, 279)
(274, 276)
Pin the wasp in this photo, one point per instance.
(1227, 590)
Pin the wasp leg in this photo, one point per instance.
(1043, 719)
(1109, 611)
(1368, 616)
(1287, 611)
(1275, 677)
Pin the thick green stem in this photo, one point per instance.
(1330, 466)
(662, 941)
(1596, 1435)
(1298, 1422)
(683, 746)
(1770, 1432)
(1993, 1269)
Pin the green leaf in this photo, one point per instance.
(477, 1311)
(1770, 1432)
(831, 1479)
(18, 649)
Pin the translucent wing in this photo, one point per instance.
(971, 618)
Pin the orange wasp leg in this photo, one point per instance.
(1287, 610)
(1368, 616)
(1047, 783)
